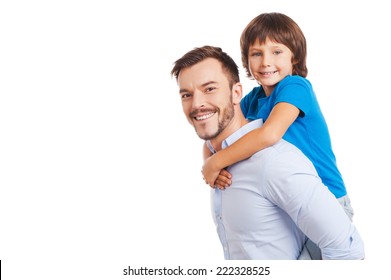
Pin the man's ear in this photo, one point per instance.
(237, 93)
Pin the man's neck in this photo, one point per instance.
(236, 123)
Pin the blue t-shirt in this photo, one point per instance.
(309, 132)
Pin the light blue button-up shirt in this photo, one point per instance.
(277, 199)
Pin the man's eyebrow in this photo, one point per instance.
(182, 90)
(208, 83)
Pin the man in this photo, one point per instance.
(276, 198)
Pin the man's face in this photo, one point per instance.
(206, 97)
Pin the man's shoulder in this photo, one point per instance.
(281, 147)
(285, 158)
(282, 155)
(285, 146)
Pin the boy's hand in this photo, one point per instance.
(213, 176)
(210, 172)
(223, 180)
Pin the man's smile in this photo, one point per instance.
(204, 117)
(202, 114)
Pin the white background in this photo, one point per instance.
(99, 169)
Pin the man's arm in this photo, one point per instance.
(300, 193)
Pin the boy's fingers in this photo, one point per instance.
(225, 173)
(224, 180)
(222, 184)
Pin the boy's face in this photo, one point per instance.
(206, 97)
(269, 63)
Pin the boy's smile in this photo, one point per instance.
(269, 63)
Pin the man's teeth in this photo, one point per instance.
(204, 117)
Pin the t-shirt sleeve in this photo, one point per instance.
(296, 92)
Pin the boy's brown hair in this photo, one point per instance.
(278, 28)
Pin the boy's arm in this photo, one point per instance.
(281, 117)
(223, 179)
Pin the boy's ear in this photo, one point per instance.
(237, 93)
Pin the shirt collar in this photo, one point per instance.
(237, 134)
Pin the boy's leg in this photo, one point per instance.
(346, 205)
(313, 250)
(310, 251)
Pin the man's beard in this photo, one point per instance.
(227, 115)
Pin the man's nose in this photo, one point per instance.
(199, 100)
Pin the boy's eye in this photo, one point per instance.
(278, 52)
(256, 54)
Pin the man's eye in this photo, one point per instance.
(185, 96)
(209, 89)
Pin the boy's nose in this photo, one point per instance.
(266, 61)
